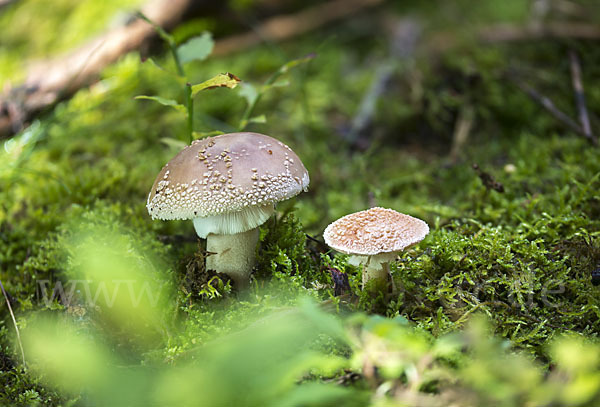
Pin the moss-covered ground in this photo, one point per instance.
(522, 255)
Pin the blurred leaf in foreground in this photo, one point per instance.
(112, 360)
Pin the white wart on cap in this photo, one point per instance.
(375, 236)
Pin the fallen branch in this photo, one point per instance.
(462, 129)
(51, 81)
(580, 97)
(6, 3)
(512, 32)
(281, 28)
(499, 33)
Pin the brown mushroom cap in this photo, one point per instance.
(226, 173)
(374, 231)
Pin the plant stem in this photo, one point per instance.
(180, 71)
(178, 64)
(251, 106)
(189, 102)
(12, 315)
(190, 109)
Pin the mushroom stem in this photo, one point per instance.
(234, 255)
(376, 269)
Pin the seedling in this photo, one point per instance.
(195, 49)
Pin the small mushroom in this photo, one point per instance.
(228, 185)
(374, 237)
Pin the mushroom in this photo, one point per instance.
(374, 237)
(228, 185)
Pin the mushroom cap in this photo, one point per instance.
(224, 174)
(374, 231)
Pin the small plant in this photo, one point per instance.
(195, 49)
(198, 49)
(253, 94)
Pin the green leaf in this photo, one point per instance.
(155, 64)
(223, 80)
(152, 62)
(248, 92)
(280, 84)
(196, 49)
(173, 143)
(296, 62)
(258, 119)
(165, 102)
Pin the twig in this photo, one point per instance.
(462, 129)
(497, 33)
(512, 32)
(314, 239)
(580, 97)
(547, 104)
(59, 78)
(12, 315)
(280, 28)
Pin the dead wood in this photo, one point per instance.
(462, 129)
(281, 28)
(500, 33)
(512, 32)
(50, 81)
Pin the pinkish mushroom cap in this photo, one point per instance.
(375, 231)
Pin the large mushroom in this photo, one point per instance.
(374, 237)
(228, 185)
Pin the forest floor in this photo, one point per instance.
(497, 306)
